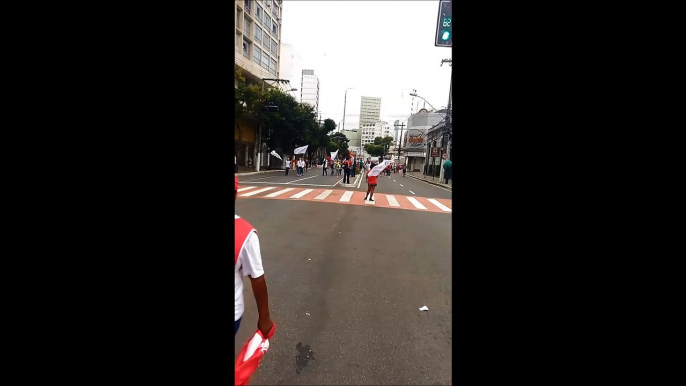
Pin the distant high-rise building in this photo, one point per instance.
(373, 130)
(290, 67)
(309, 89)
(370, 110)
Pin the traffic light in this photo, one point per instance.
(444, 25)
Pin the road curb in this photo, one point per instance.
(433, 183)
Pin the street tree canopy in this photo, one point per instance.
(293, 125)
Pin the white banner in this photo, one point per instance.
(301, 150)
(276, 155)
(334, 154)
(379, 168)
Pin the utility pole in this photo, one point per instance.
(400, 139)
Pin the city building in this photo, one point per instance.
(309, 89)
(354, 135)
(369, 131)
(257, 42)
(414, 138)
(290, 67)
(370, 110)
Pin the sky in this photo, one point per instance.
(382, 49)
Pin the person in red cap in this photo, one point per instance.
(248, 262)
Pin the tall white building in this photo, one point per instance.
(309, 89)
(371, 131)
(291, 66)
(370, 110)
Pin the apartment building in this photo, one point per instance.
(370, 110)
(309, 89)
(257, 43)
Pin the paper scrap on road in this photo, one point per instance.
(307, 313)
(425, 308)
(309, 259)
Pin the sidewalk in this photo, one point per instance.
(433, 181)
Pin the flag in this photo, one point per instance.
(276, 155)
(251, 355)
(301, 150)
(379, 168)
(334, 154)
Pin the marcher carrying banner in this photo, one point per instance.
(334, 154)
(379, 168)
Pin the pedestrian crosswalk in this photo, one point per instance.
(350, 197)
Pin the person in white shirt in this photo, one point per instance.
(248, 262)
(326, 165)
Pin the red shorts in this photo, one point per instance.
(371, 180)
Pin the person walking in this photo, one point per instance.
(248, 262)
(333, 164)
(306, 164)
(301, 167)
(371, 182)
(288, 165)
(325, 163)
(447, 170)
(404, 170)
(352, 167)
(346, 170)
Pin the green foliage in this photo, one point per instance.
(294, 124)
(374, 150)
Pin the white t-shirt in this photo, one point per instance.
(249, 263)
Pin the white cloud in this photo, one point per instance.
(381, 48)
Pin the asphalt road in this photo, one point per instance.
(361, 275)
(396, 184)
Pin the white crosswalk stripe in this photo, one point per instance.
(280, 192)
(438, 204)
(254, 192)
(246, 188)
(301, 194)
(323, 195)
(391, 200)
(346, 196)
(416, 203)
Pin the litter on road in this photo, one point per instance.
(425, 308)
(307, 313)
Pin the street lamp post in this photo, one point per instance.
(345, 101)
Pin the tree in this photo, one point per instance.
(341, 142)
(294, 124)
(374, 150)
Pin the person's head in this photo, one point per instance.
(347, 157)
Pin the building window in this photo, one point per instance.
(275, 29)
(267, 20)
(248, 6)
(258, 14)
(274, 47)
(256, 54)
(239, 19)
(246, 49)
(258, 34)
(275, 9)
(238, 41)
(248, 27)
(265, 60)
(265, 41)
(272, 66)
